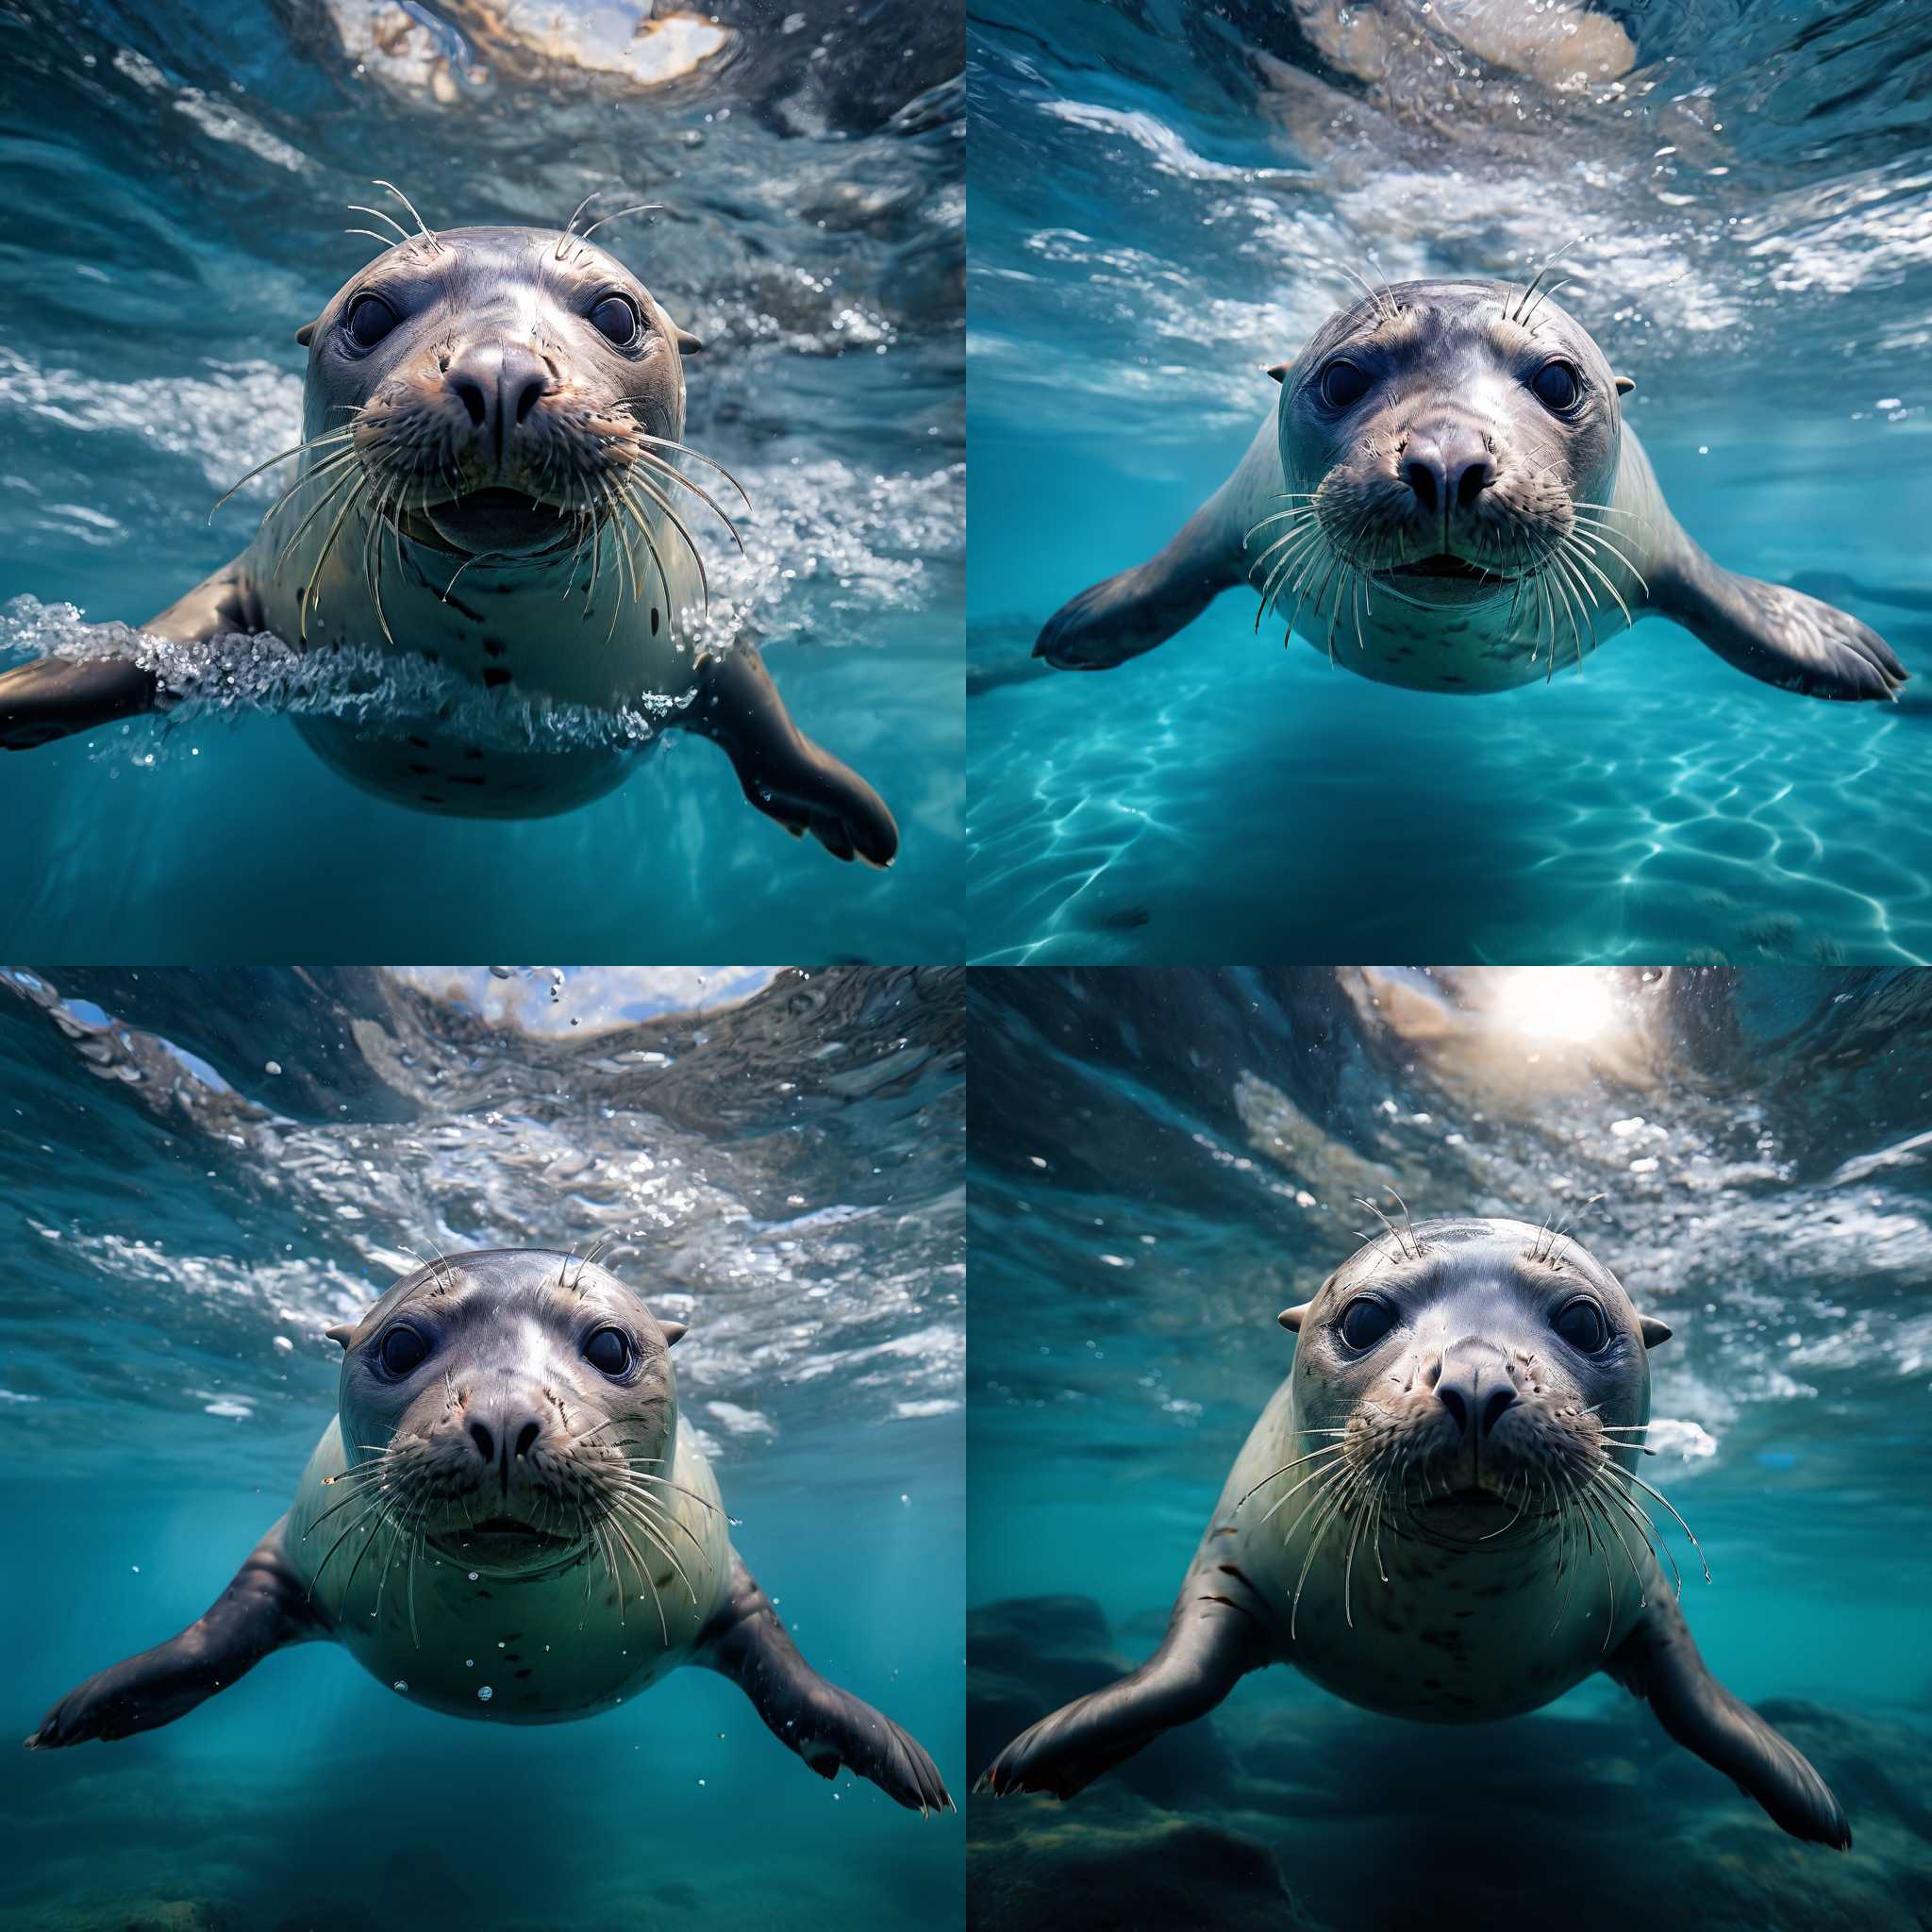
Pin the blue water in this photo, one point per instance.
(177, 185)
(181, 1220)
(1162, 1161)
(1156, 193)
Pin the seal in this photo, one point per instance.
(486, 480)
(1455, 1455)
(1445, 497)
(507, 1520)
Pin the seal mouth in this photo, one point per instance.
(500, 1543)
(495, 520)
(1445, 567)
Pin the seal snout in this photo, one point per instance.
(1447, 465)
(498, 382)
(1476, 1389)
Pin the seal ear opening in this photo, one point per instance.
(1624, 385)
(1279, 371)
(675, 1332)
(1290, 1319)
(688, 344)
(1652, 1330)
(304, 332)
(341, 1333)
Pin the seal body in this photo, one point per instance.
(1445, 497)
(558, 1642)
(1439, 1517)
(507, 1520)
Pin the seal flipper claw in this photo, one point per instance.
(827, 1727)
(1660, 1663)
(1209, 1646)
(262, 1610)
(781, 771)
(1777, 634)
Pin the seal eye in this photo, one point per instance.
(617, 319)
(1582, 1325)
(608, 1350)
(1365, 1321)
(369, 318)
(403, 1351)
(1558, 386)
(1344, 384)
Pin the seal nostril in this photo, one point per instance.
(1494, 1405)
(1451, 1399)
(485, 1445)
(1421, 477)
(528, 396)
(468, 391)
(1475, 477)
(527, 1438)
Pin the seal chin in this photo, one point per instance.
(495, 522)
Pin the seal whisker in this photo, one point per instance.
(662, 1511)
(1640, 1521)
(1319, 1529)
(356, 208)
(1631, 1476)
(1330, 1449)
(696, 455)
(659, 467)
(428, 235)
(326, 441)
(643, 1570)
(664, 503)
(641, 208)
(1313, 1476)
(651, 1528)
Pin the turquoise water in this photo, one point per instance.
(177, 180)
(182, 1220)
(1162, 1161)
(1156, 196)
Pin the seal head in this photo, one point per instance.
(1449, 436)
(1476, 1375)
(503, 1403)
(497, 383)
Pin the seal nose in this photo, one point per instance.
(1447, 468)
(1476, 1393)
(498, 385)
(504, 1437)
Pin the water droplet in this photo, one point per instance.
(468, 1663)
(135, 1568)
(701, 1784)
(473, 1577)
(271, 1067)
(400, 1684)
(484, 1693)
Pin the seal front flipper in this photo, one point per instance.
(55, 697)
(1660, 1663)
(263, 1608)
(826, 1726)
(782, 771)
(1776, 634)
(1124, 615)
(1212, 1643)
